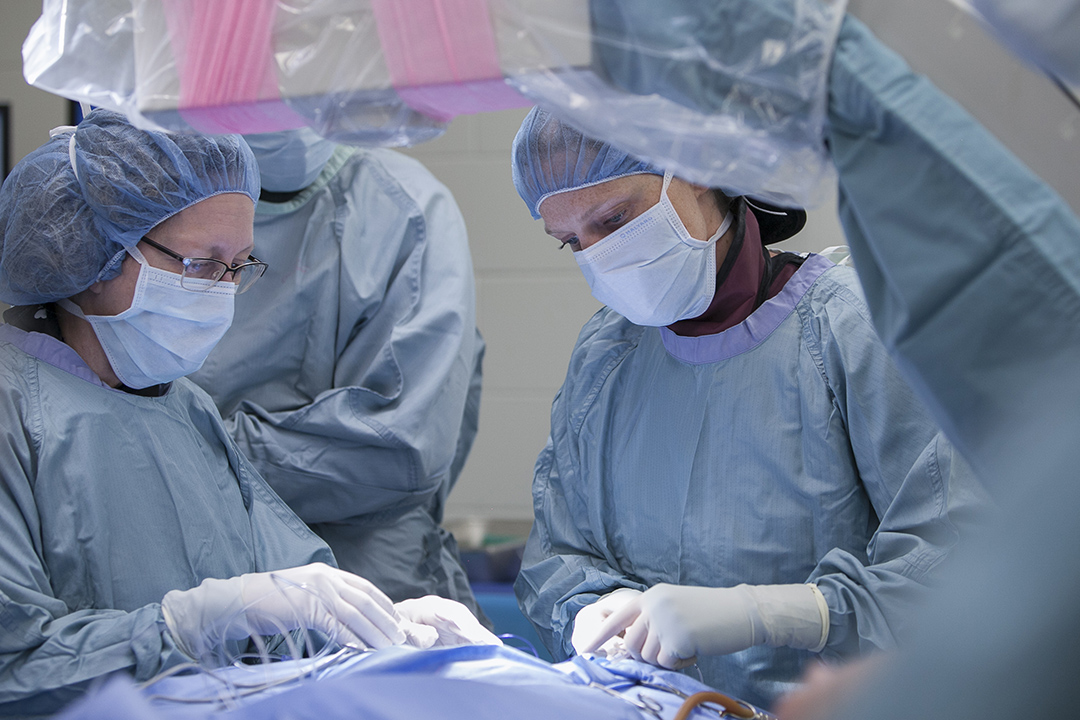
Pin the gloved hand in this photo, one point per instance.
(344, 607)
(588, 620)
(434, 621)
(670, 625)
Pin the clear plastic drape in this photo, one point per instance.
(730, 94)
(727, 94)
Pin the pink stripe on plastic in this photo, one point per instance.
(224, 51)
(442, 56)
(446, 101)
(257, 117)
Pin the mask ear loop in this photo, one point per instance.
(667, 181)
(725, 224)
(136, 253)
(60, 130)
(71, 156)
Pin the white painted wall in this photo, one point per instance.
(531, 297)
(33, 112)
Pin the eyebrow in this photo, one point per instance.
(220, 251)
(595, 210)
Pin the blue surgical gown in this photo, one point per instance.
(785, 449)
(972, 272)
(108, 501)
(351, 376)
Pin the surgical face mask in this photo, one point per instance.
(651, 271)
(167, 332)
(290, 160)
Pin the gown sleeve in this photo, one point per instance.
(963, 253)
(392, 430)
(923, 493)
(565, 567)
(49, 653)
(971, 266)
(562, 571)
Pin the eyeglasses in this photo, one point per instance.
(243, 274)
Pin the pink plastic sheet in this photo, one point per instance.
(442, 56)
(228, 81)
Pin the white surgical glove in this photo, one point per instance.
(671, 625)
(588, 620)
(433, 621)
(342, 606)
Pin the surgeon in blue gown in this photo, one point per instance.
(737, 474)
(354, 383)
(971, 269)
(989, 333)
(135, 535)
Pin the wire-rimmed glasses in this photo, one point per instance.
(243, 274)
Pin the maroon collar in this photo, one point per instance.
(738, 284)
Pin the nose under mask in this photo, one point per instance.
(168, 331)
(651, 270)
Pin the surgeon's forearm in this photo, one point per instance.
(350, 472)
(553, 601)
(81, 647)
(358, 448)
(950, 234)
(553, 587)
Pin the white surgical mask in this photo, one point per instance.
(290, 160)
(651, 271)
(167, 332)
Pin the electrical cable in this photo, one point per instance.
(306, 655)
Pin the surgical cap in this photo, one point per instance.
(551, 157)
(70, 208)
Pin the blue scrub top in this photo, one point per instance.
(786, 449)
(351, 375)
(109, 500)
(971, 266)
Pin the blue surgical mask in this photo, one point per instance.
(290, 160)
(167, 332)
(651, 270)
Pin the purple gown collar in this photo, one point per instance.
(50, 350)
(752, 331)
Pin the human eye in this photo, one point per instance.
(616, 219)
(203, 268)
(615, 216)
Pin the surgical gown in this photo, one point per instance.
(972, 269)
(351, 376)
(786, 449)
(109, 500)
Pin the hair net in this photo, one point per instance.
(61, 230)
(550, 157)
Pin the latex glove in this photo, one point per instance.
(670, 625)
(344, 607)
(588, 620)
(434, 621)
